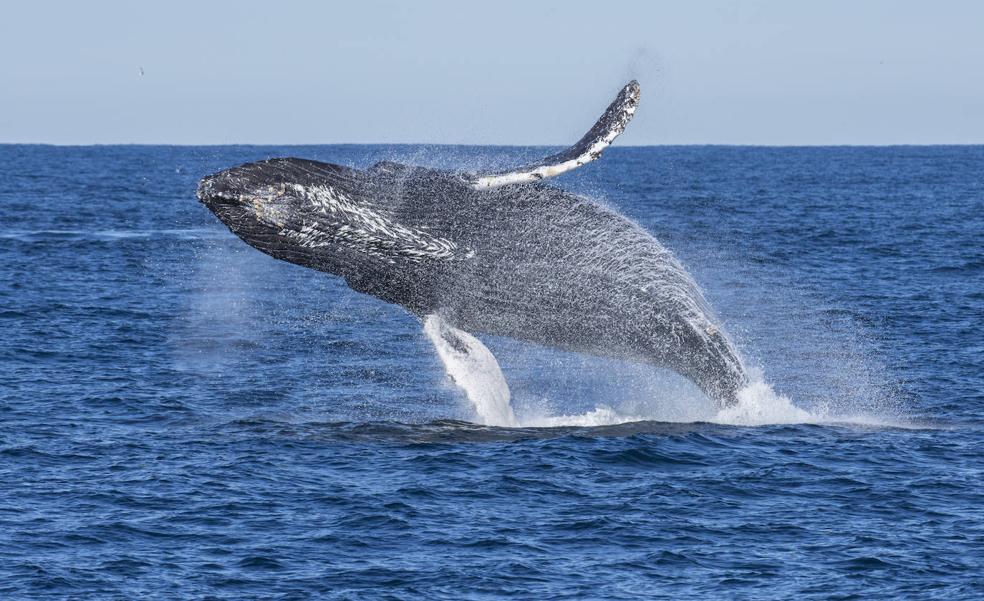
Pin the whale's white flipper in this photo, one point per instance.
(608, 127)
(474, 369)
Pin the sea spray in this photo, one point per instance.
(759, 404)
(623, 392)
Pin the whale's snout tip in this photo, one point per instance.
(214, 190)
(203, 190)
(208, 189)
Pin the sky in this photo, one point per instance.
(503, 72)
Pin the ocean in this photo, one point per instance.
(183, 417)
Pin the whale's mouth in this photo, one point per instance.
(212, 192)
(245, 209)
(248, 215)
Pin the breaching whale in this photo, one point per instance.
(497, 253)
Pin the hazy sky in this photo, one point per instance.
(502, 72)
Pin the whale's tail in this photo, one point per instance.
(608, 127)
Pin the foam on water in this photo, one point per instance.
(599, 416)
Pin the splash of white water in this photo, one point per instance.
(475, 370)
(758, 405)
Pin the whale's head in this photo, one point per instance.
(299, 211)
(259, 196)
(327, 217)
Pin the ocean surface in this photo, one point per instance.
(182, 416)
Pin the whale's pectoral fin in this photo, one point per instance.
(608, 127)
(474, 369)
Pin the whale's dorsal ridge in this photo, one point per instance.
(601, 135)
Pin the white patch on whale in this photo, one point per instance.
(608, 127)
(342, 221)
(473, 368)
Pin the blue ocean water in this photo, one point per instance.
(182, 416)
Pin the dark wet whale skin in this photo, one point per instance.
(527, 261)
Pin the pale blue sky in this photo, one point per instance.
(504, 72)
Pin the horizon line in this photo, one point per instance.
(473, 145)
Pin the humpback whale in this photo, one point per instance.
(499, 253)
